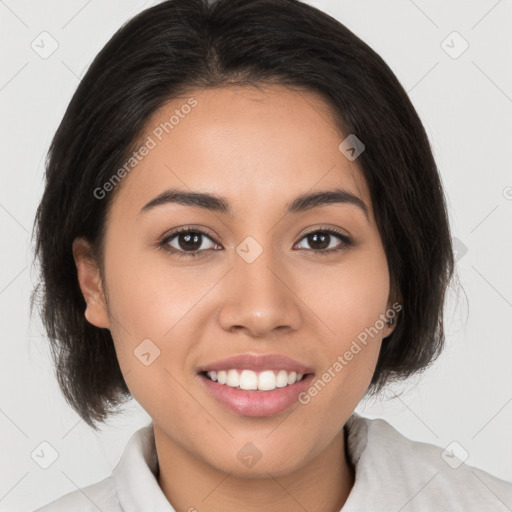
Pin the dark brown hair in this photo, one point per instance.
(179, 45)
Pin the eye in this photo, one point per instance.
(322, 240)
(187, 242)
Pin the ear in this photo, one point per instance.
(394, 297)
(90, 283)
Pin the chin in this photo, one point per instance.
(250, 462)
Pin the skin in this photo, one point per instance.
(259, 149)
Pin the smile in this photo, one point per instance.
(255, 402)
(266, 380)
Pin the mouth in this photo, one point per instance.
(266, 380)
(256, 385)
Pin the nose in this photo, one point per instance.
(259, 298)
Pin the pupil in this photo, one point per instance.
(190, 239)
(313, 239)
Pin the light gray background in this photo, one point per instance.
(465, 104)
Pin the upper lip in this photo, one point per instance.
(257, 362)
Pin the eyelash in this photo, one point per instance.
(163, 244)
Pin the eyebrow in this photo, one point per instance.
(219, 204)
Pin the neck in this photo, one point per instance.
(322, 485)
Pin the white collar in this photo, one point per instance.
(135, 475)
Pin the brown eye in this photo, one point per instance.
(323, 241)
(187, 242)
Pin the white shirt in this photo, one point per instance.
(392, 474)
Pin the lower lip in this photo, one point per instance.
(255, 402)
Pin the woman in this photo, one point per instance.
(244, 229)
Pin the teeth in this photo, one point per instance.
(248, 380)
(233, 379)
(282, 379)
(292, 377)
(266, 380)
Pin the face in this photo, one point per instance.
(254, 278)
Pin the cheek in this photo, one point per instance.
(154, 310)
(349, 300)
(348, 297)
(148, 296)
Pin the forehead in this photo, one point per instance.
(255, 147)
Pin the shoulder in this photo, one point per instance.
(132, 483)
(98, 496)
(416, 475)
